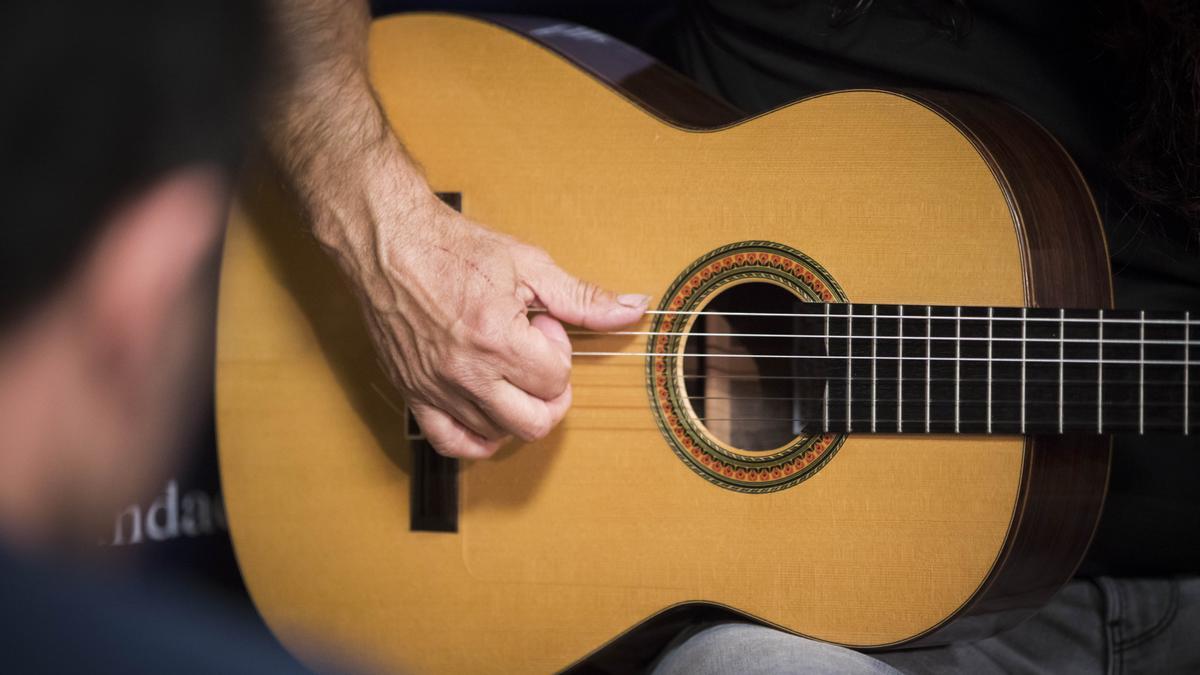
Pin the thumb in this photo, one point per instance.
(584, 304)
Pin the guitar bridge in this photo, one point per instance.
(434, 488)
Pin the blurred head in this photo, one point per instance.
(120, 125)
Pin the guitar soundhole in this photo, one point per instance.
(733, 366)
(754, 381)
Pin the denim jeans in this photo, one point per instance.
(1105, 625)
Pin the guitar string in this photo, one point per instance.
(573, 419)
(886, 379)
(875, 315)
(736, 376)
(865, 416)
(1029, 319)
(1088, 404)
(922, 359)
(1088, 424)
(1032, 426)
(910, 338)
(928, 359)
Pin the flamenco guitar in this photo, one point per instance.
(871, 405)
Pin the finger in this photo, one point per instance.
(526, 417)
(558, 407)
(582, 303)
(467, 413)
(541, 358)
(449, 437)
(554, 332)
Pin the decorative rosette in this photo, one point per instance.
(742, 471)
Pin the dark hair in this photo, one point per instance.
(1158, 44)
(100, 99)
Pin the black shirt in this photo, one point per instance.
(55, 619)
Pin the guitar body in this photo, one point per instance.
(559, 546)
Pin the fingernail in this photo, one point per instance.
(634, 300)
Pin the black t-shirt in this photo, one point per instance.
(1044, 58)
(56, 619)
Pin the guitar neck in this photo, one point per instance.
(1003, 370)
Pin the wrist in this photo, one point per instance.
(359, 196)
(375, 223)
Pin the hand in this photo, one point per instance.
(445, 299)
(447, 304)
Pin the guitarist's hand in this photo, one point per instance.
(447, 304)
(445, 299)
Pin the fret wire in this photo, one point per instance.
(825, 408)
(825, 403)
(900, 370)
(1186, 367)
(928, 360)
(957, 364)
(796, 366)
(1061, 364)
(874, 360)
(849, 366)
(989, 371)
(1023, 325)
(1142, 372)
(1100, 376)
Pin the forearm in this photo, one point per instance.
(330, 135)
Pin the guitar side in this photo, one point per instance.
(565, 543)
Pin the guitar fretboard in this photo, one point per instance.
(921, 369)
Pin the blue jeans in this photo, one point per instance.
(1110, 626)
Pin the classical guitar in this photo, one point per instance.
(870, 406)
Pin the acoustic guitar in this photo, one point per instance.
(870, 405)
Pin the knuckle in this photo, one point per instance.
(478, 422)
(443, 449)
(536, 427)
(557, 381)
(534, 254)
(441, 439)
(451, 442)
(488, 330)
(563, 374)
(557, 416)
(461, 333)
(586, 293)
(492, 337)
(488, 450)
